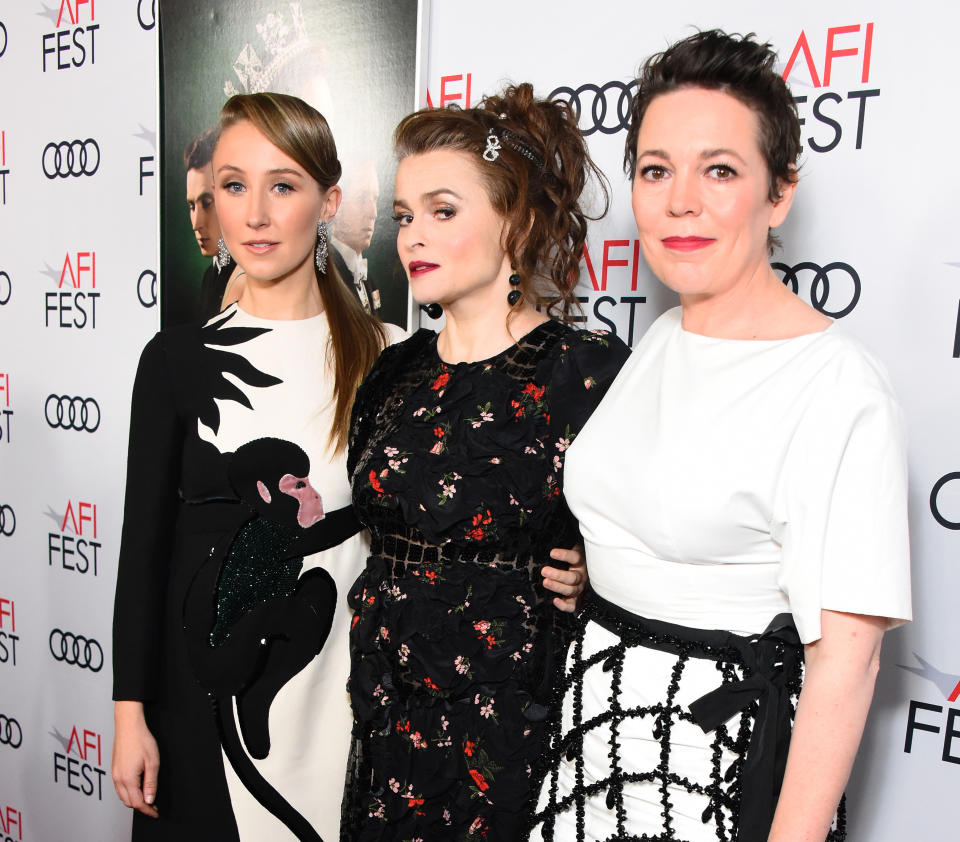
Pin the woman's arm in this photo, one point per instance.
(841, 669)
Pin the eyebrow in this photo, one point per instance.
(707, 153)
(430, 195)
(275, 171)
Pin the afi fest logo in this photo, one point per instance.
(930, 718)
(74, 43)
(8, 633)
(4, 171)
(847, 52)
(79, 766)
(834, 287)
(454, 88)
(75, 546)
(11, 824)
(74, 305)
(6, 414)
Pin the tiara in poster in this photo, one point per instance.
(282, 41)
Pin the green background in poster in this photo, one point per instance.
(359, 71)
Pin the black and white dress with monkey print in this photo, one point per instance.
(239, 545)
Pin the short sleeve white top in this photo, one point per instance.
(721, 482)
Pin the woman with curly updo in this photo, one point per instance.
(766, 524)
(456, 457)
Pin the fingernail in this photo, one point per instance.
(148, 797)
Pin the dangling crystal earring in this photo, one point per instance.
(320, 257)
(434, 310)
(515, 294)
(223, 256)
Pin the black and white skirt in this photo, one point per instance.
(669, 732)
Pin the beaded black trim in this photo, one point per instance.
(722, 787)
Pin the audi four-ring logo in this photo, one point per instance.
(147, 292)
(71, 158)
(147, 13)
(10, 732)
(820, 287)
(75, 649)
(69, 413)
(8, 520)
(599, 108)
(6, 288)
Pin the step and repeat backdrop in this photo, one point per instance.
(872, 241)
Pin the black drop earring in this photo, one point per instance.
(515, 294)
(434, 310)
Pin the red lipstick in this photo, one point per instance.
(687, 243)
(420, 267)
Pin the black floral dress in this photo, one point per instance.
(457, 471)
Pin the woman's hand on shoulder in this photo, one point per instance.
(569, 583)
(136, 759)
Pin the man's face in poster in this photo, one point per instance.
(203, 213)
(354, 222)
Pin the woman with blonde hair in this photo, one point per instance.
(239, 542)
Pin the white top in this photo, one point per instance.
(721, 482)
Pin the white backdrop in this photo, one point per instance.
(879, 197)
(76, 305)
(78, 221)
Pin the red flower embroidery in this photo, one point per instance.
(441, 381)
(475, 534)
(468, 747)
(430, 683)
(375, 483)
(438, 432)
(413, 802)
(535, 392)
(491, 641)
(479, 779)
(431, 576)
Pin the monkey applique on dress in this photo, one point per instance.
(238, 549)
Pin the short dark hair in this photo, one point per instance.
(734, 64)
(199, 151)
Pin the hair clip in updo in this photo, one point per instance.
(492, 152)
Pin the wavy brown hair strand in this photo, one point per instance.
(356, 338)
(535, 183)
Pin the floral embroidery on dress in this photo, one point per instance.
(457, 472)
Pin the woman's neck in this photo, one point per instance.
(476, 333)
(291, 298)
(759, 307)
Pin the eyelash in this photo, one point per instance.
(445, 213)
(720, 166)
(732, 173)
(281, 187)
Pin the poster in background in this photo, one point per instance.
(352, 60)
